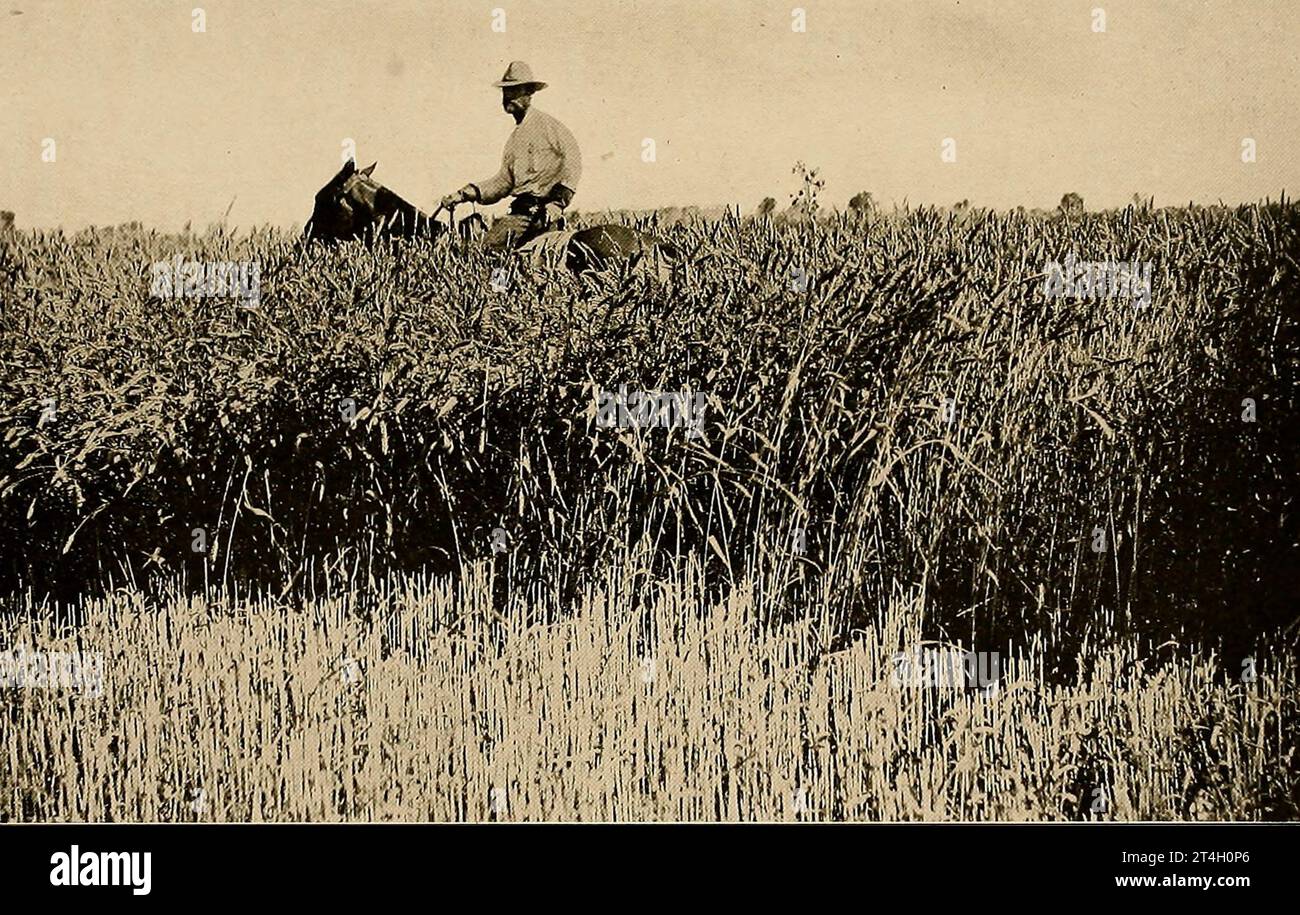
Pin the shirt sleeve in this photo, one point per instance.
(500, 184)
(566, 146)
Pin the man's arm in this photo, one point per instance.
(563, 142)
(496, 187)
(561, 195)
(556, 201)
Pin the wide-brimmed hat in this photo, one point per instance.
(519, 74)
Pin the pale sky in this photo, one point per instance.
(154, 122)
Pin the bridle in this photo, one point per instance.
(451, 215)
(353, 180)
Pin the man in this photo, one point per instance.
(539, 168)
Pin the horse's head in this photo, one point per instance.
(353, 203)
(340, 211)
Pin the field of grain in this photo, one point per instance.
(363, 551)
(429, 706)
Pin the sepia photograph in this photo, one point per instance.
(621, 412)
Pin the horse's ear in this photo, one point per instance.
(349, 167)
(368, 169)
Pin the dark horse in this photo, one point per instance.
(353, 205)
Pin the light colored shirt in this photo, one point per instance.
(540, 154)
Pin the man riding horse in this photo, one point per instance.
(539, 168)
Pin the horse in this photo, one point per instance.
(353, 205)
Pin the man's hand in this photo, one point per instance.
(468, 192)
(554, 213)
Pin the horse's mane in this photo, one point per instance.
(397, 211)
